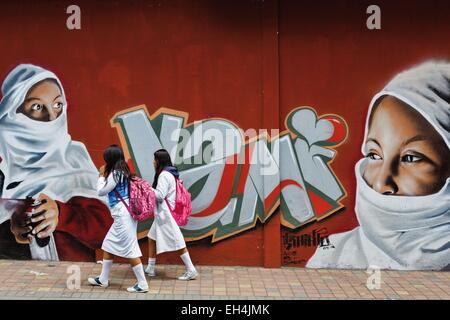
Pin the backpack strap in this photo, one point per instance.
(168, 206)
(123, 201)
(165, 199)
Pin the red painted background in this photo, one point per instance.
(250, 62)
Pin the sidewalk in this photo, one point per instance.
(44, 280)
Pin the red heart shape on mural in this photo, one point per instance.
(339, 129)
(329, 129)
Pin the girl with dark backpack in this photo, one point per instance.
(172, 209)
(121, 239)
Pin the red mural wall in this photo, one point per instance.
(250, 62)
(330, 60)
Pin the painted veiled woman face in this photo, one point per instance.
(406, 155)
(43, 102)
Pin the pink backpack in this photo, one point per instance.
(141, 199)
(182, 209)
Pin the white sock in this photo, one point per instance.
(187, 261)
(106, 267)
(140, 275)
(151, 264)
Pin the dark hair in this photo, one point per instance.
(115, 161)
(162, 158)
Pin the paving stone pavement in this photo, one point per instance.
(49, 280)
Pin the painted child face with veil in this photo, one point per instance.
(43, 102)
(406, 155)
(403, 181)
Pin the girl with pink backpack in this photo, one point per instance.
(121, 239)
(172, 210)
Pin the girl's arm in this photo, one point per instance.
(105, 186)
(162, 189)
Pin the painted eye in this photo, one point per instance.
(58, 105)
(36, 107)
(373, 156)
(411, 158)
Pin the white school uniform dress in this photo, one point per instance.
(164, 230)
(121, 239)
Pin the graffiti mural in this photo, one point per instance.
(270, 112)
(403, 184)
(238, 185)
(48, 181)
(238, 178)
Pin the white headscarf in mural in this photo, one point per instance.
(399, 232)
(40, 156)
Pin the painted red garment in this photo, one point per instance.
(83, 224)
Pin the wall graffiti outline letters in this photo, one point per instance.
(303, 186)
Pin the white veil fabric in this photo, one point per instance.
(40, 157)
(400, 232)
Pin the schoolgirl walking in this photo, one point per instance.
(165, 234)
(121, 239)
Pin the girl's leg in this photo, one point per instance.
(184, 255)
(150, 270)
(151, 248)
(138, 270)
(134, 262)
(107, 256)
(106, 267)
(103, 279)
(191, 272)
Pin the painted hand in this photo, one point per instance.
(20, 229)
(46, 215)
